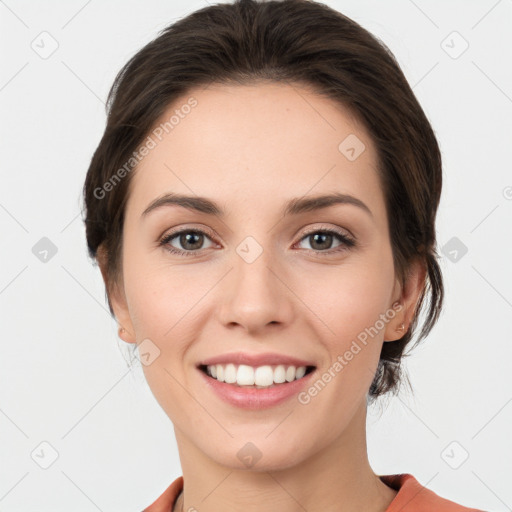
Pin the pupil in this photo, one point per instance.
(322, 236)
(185, 240)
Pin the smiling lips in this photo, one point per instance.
(261, 376)
(255, 360)
(241, 393)
(255, 370)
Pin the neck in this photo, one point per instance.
(337, 477)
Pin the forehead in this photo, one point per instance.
(255, 145)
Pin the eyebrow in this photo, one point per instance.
(295, 206)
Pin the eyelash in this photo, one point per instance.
(347, 242)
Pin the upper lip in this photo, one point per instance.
(267, 358)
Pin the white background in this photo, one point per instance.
(64, 377)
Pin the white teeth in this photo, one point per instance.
(301, 371)
(264, 376)
(280, 374)
(245, 375)
(230, 374)
(261, 376)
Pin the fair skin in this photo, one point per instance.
(251, 149)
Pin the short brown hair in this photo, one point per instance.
(289, 41)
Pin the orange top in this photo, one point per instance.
(411, 497)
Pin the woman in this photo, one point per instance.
(262, 207)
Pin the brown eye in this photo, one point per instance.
(321, 240)
(191, 240)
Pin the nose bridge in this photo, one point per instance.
(253, 274)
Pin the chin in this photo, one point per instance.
(259, 457)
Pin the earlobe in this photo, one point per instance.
(408, 300)
(126, 336)
(117, 299)
(397, 327)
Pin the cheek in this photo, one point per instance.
(348, 310)
(349, 298)
(164, 306)
(162, 297)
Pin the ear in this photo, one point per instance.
(117, 299)
(408, 297)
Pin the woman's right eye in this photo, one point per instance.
(190, 239)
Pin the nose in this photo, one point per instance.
(255, 295)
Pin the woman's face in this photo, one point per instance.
(257, 280)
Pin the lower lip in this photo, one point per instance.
(256, 398)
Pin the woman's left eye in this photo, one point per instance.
(192, 240)
(322, 237)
